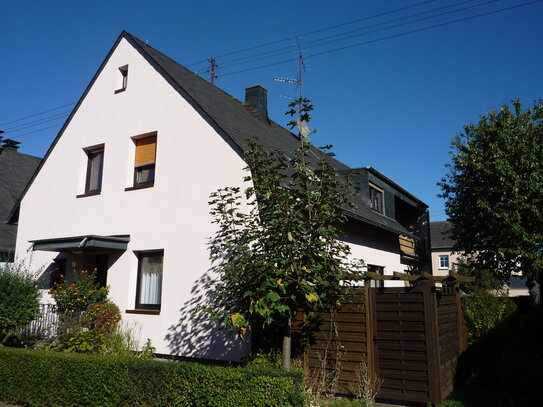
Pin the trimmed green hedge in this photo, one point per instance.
(41, 378)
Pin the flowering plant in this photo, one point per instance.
(104, 317)
(80, 294)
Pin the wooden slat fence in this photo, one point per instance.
(409, 340)
(336, 357)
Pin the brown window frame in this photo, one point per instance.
(140, 254)
(138, 168)
(123, 70)
(373, 191)
(91, 152)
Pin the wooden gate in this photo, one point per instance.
(408, 339)
(418, 337)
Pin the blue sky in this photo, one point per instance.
(393, 104)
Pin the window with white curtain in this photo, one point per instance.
(149, 291)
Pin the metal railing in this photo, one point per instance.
(49, 322)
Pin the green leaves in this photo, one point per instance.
(494, 191)
(276, 250)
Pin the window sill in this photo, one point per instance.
(442, 268)
(143, 311)
(120, 90)
(140, 186)
(90, 193)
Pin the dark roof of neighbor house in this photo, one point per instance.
(439, 235)
(15, 171)
(233, 120)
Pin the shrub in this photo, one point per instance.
(19, 297)
(104, 317)
(483, 311)
(38, 378)
(81, 340)
(80, 294)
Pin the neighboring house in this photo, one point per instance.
(445, 259)
(124, 188)
(16, 169)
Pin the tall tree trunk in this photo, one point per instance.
(287, 343)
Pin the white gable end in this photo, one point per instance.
(192, 161)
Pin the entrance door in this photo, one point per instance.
(101, 269)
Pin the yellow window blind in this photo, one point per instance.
(145, 150)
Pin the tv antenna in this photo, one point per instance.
(302, 125)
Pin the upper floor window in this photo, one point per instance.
(443, 261)
(144, 164)
(95, 168)
(122, 78)
(376, 198)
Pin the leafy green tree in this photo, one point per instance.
(494, 193)
(277, 250)
(19, 297)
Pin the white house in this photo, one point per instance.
(124, 188)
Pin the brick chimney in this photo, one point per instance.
(257, 98)
(9, 144)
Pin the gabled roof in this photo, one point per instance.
(439, 235)
(232, 119)
(16, 169)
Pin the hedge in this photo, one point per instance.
(45, 378)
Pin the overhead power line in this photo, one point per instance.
(387, 37)
(38, 130)
(37, 114)
(267, 44)
(322, 41)
(36, 122)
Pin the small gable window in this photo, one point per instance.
(144, 163)
(376, 198)
(95, 169)
(122, 79)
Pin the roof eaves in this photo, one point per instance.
(63, 128)
(135, 42)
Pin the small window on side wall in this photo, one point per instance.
(122, 79)
(379, 270)
(95, 168)
(149, 286)
(144, 163)
(443, 261)
(376, 198)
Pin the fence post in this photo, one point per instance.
(432, 344)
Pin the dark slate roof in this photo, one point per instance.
(15, 171)
(232, 119)
(439, 236)
(237, 123)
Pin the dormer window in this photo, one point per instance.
(376, 198)
(122, 79)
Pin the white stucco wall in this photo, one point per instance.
(192, 161)
(376, 247)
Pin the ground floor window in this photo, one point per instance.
(379, 270)
(149, 288)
